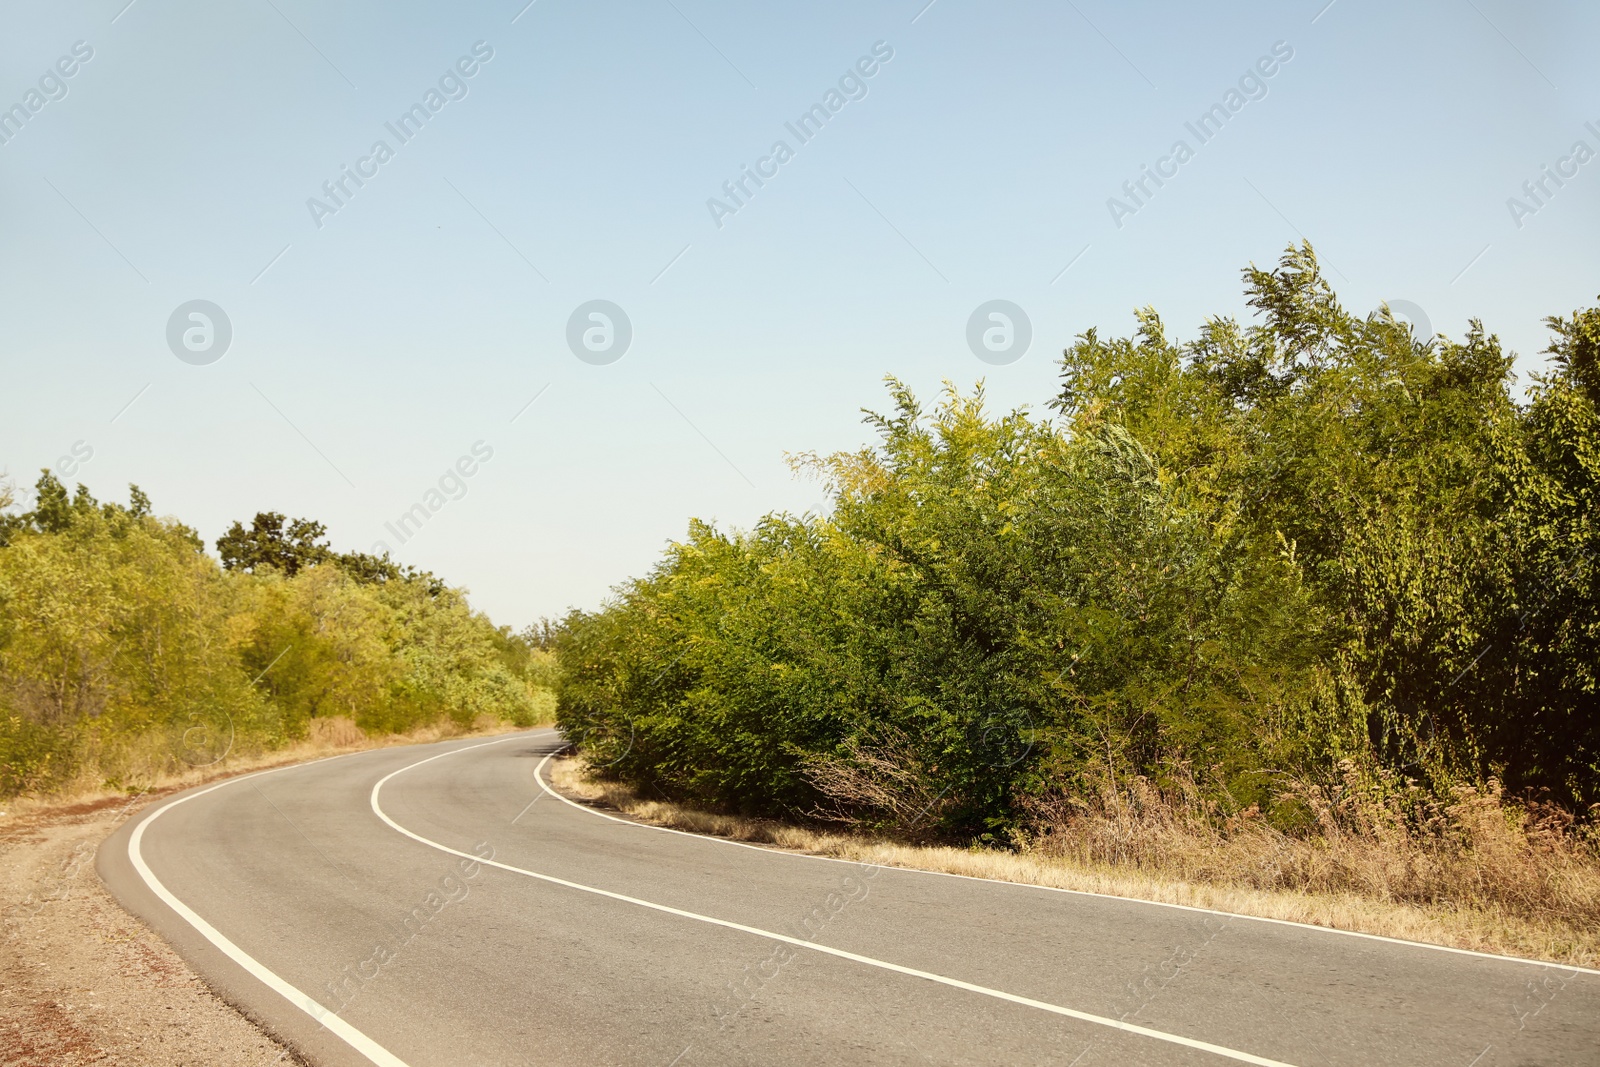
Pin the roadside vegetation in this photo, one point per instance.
(1304, 605)
(129, 656)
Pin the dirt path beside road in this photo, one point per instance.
(81, 980)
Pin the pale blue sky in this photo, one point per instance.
(419, 319)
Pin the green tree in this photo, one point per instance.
(1235, 562)
(269, 543)
(126, 651)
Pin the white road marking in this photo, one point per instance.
(955, 983)
(335, 1025)
(379, 1055)
(1070, 892)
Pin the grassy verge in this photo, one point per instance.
(1572, 939)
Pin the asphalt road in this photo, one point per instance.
(437, 905)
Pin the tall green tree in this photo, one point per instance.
(1238, 560)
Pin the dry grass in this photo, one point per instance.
(1369, 833)
(326, 737)
(1510, 887)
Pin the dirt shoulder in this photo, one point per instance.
(84, 982)
(81, 980)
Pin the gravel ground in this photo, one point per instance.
(82, 981)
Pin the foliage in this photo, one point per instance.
(268, 544)
(1311, 542)
(124, 648)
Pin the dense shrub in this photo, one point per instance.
(1245, 563)
(126, 650)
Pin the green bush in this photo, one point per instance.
(1238, 561)
(126, 651)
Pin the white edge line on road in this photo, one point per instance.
(998, 994)
(335, 1025)
(1072, 892)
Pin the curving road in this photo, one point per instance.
(439, 905)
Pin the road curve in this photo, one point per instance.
(439, 905)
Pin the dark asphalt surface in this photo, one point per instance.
(644, 947)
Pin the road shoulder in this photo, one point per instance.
(81, 980)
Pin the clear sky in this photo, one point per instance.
(381, 333)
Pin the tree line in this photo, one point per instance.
(126, 650)
(1284, 552)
